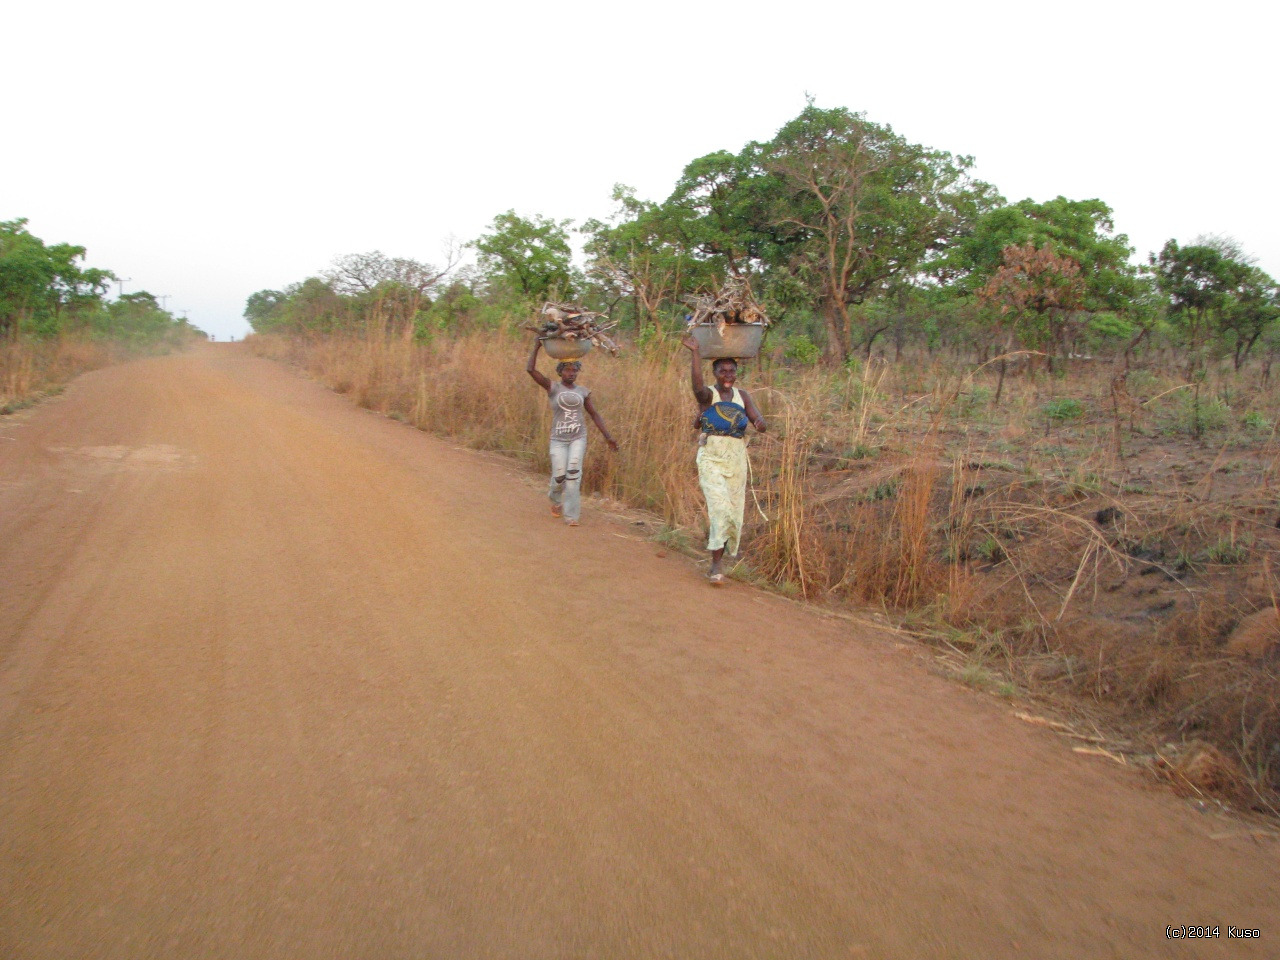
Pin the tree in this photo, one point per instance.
(722, 212)
(1197, 281)
(26, 276)
(866, 207)
(641, 255)
(358, 273)
(531, 257)
(138, 318)
(1038, 290)
(77, 289)
(265, 310)
(844, 207)
(1080, 229)
(391, 289)
(1251, 309)
(1111, 292)
(41, 287)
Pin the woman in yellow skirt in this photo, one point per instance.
(724, 411)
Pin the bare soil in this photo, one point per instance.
(282, 678)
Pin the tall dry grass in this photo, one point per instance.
(1020, 533)
(30, 369)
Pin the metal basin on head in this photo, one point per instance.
(739, 340)
(557, 348)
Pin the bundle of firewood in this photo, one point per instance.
(733, 304)
(568, 321)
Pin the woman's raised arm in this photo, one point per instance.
(700, 389)
(532, 366)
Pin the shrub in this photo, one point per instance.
(1063, 408)
(800, 349)
(1228, 551)
(1196, 415)
(1257, 422)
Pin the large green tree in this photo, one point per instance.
(1081, 230)
(835, 203)
(1198, 281)
(26, 275)
(530, 257)
(45, 289)
(1252, 309)
(868, 208)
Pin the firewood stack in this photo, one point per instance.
(568, 321)
(733, 304)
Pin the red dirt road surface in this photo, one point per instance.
(280, 678)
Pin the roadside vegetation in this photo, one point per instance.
(1048, 457)
(57, 319)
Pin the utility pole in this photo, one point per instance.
(164, 301)
(122, 281)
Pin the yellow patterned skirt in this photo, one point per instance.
(722, 473)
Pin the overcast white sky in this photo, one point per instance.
(209, 151)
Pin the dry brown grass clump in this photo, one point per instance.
(32, 368)
(1202, 770)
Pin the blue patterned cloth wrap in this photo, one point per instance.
(724, 419)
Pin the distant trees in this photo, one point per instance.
(1081, 230)
(46, 291)
(312, 306)
(263, 310)
(136, 317)
(847, 231)
(393, 289)
(357, 289)
(1049, 270)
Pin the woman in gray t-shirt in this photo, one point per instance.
(568, 433)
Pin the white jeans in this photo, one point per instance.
(566, 475)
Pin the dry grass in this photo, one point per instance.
(30, 369)
(1081, 542)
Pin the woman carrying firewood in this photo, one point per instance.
(724, 412)
(568, 433)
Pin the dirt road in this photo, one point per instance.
(282, 679)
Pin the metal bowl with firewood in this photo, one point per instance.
(568, 331)
(727, 324)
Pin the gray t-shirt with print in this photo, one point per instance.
(568, 416)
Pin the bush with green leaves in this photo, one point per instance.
(1256, 421)
(801, 349)
(1062, 409)
(1198, 414)
(970, 402)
